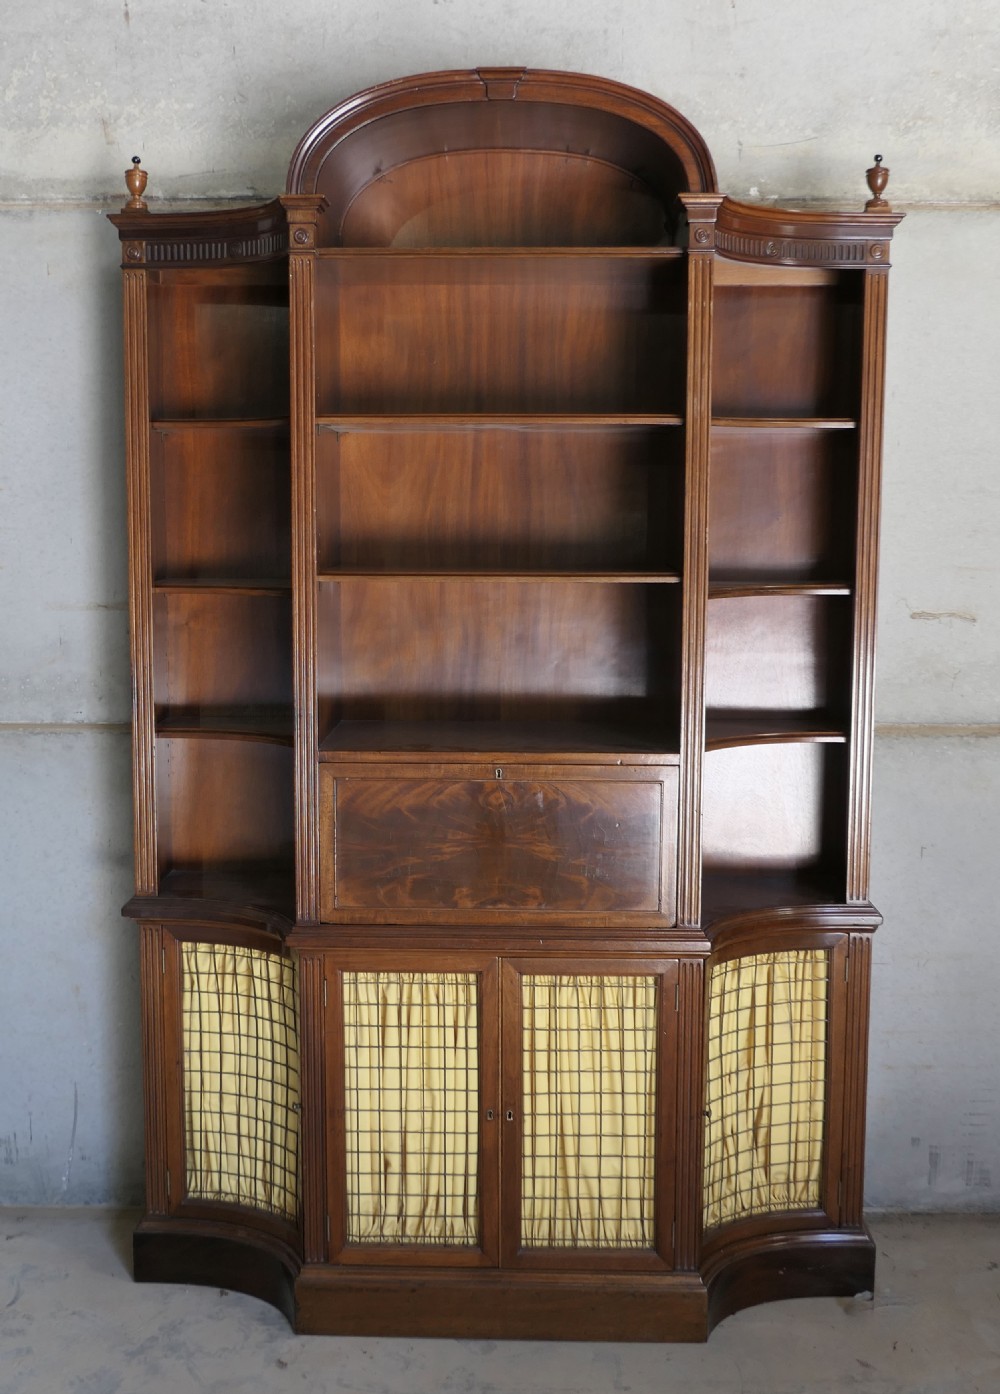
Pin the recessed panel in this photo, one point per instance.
(495, 844)
(499, 334)
(782, 503)
(778, 806)
(223, 805)
(776, 652)
(222, 653)
(419, 650)
(221, 503)
(218, 348)
(787, 350)
(519, 498)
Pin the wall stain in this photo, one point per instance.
(933, 1165)
(966, 616)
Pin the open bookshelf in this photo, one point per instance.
(503, 513)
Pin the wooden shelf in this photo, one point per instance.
(725, 729)
(783, 423)
(221, 423)
(723, 588)
(483, 421)
(736, 891)
(269, 887)
(223, 585)
(275, 726)
(627, 578)
(498, 253)
(562, 742)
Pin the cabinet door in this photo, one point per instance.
(414, 1103)
(589, 1108)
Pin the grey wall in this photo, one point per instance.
(793, 99)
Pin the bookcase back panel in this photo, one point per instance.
(603, 499)
(221, 651)
(220, 504)
(514, 334)
(781, 504)
(776, 652)
(787, 350)
(505, 198)
(218, 347)
(223, 804)
(775, 807)
(410, 650)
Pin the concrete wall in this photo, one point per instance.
(793, 99)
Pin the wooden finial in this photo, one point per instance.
(135, 181)
(878, 177)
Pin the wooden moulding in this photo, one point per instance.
(773, 1267)
(216, 1253)
(588, 130)
(486, 1305)
(228, 236)
(490, 1304)
(779, 236)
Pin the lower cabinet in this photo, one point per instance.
(493, 1111)
(606, 1146)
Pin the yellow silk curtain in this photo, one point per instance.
(411, 1051)
(766, 1087)
(589, 1061)
(241, 1077)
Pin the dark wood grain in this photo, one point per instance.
(509, 335)
(509, 499)
(218, 346)
(220, 502)
(508, 843)
(775, 652)
(786, 351)
(782, 503)
(447, 650)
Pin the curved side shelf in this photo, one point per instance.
(215, 1253)
(722, 732)
(817, 1263)
(232, 904)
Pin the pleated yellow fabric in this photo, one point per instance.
(411, 1052)
(241, 1077)
(766, 1087)
(589, 1062)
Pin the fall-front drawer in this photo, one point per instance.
(480, 843)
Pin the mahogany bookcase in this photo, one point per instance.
(503, 511)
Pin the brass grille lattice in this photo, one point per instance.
(411, 1051)
(766, 1087)
(588, 1155)
(241, 1077)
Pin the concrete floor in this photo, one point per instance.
(72, 1322)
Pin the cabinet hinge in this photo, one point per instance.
(677, 997)
(328, 1229)
(324, 992)
(847, 968)
(166, 1171)
(163, 961)
(673, 1235)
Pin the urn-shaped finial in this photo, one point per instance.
(878, 177)
(135, 181)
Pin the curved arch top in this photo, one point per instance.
(508, 156)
